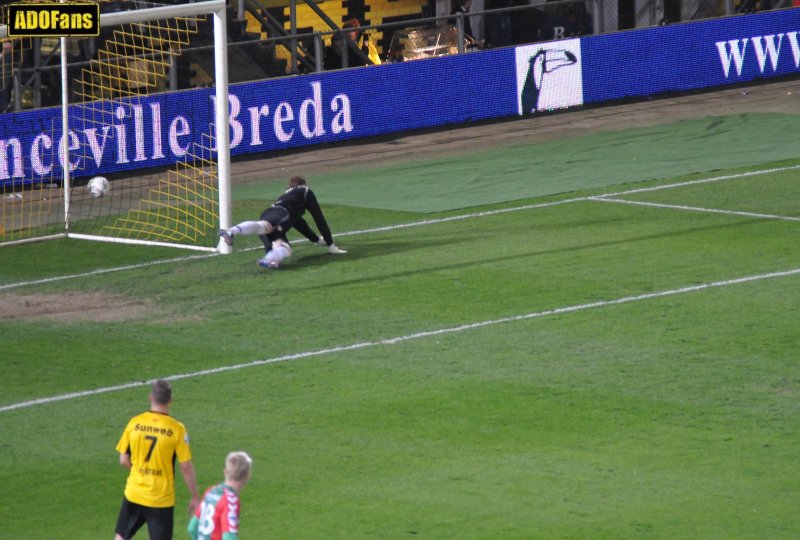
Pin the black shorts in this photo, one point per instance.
(278, 216)
(132, 516)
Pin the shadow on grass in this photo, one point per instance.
(365, 251)
(371, 249)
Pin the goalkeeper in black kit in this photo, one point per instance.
(286, 213)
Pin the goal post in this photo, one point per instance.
(166, 155)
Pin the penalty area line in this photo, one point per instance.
(700, 181)
(408, 337)
(696, 209)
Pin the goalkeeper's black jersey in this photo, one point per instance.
(297, 200)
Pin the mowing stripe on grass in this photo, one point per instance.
(104, 271)
(606, 198)
(348, 233)
(409, 337)
(405, 225)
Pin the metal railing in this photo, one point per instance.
(307, 50)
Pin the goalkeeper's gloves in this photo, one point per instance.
(335, 250)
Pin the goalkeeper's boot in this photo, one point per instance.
(226, 237)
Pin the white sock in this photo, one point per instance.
(248, 227)
(280, 250)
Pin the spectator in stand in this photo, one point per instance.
(477, 22)
(557, 26)
(580, 20)
(334, 53)
(526, 24)
(460, 7)
(498, 28)
(362, 41)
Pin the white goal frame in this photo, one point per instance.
(217, 8)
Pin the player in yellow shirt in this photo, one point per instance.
(148, 447)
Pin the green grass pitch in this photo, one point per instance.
(569, 366)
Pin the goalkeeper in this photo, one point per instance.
(275, 222)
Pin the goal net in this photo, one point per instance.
(139, 163)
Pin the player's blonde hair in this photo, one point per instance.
(237, 466)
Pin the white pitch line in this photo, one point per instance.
(409, 337)
(465, 216)
(606, 198)
(348, 233)
(701, 181)
(407, 225)
(104, 271)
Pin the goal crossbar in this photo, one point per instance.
(162, 12)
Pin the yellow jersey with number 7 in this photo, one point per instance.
(153, 440)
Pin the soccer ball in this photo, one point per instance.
(99, 186)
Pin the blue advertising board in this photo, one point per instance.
(342, 105)
(265, 115)
(690, 56)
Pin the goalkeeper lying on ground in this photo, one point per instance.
(275, 222)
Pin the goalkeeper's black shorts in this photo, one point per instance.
(278, 217)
